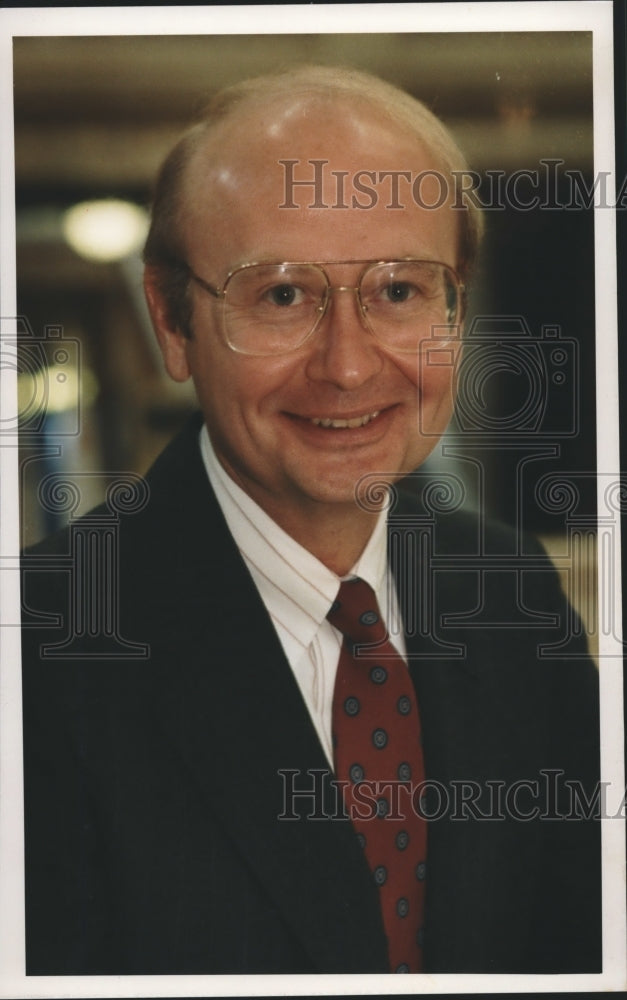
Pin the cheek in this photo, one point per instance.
(436, 391)
(437, 373)
(239, 385)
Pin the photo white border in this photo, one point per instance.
(305, 19)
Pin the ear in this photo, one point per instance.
(172, 341)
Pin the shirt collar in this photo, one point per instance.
(294, 585)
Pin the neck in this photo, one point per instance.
(334, 534)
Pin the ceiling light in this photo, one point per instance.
(105, 230)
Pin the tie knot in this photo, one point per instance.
(356, 614)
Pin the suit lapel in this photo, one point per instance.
(472, 736)
(246, 733)
(447, 689)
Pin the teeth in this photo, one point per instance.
(343, 424)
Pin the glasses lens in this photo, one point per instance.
(404, 301)
(271, 308)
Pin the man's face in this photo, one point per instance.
(263, 412)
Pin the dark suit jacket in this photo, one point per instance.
(155, 783)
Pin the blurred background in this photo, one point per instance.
(94, 117)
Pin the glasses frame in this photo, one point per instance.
(220, 294)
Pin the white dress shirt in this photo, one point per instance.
(298, 590)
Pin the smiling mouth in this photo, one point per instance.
(337, 424)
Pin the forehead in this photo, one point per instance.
(271, 178)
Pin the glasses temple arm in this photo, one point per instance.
(216, 292)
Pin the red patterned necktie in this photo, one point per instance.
(378, 758)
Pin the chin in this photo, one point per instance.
(368, 491)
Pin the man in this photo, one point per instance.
(208, 808)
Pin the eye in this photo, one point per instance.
(284, 295)
(399, 291)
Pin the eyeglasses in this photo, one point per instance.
(272, 309)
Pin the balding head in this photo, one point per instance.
(255, 112)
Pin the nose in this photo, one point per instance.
(344, 352)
